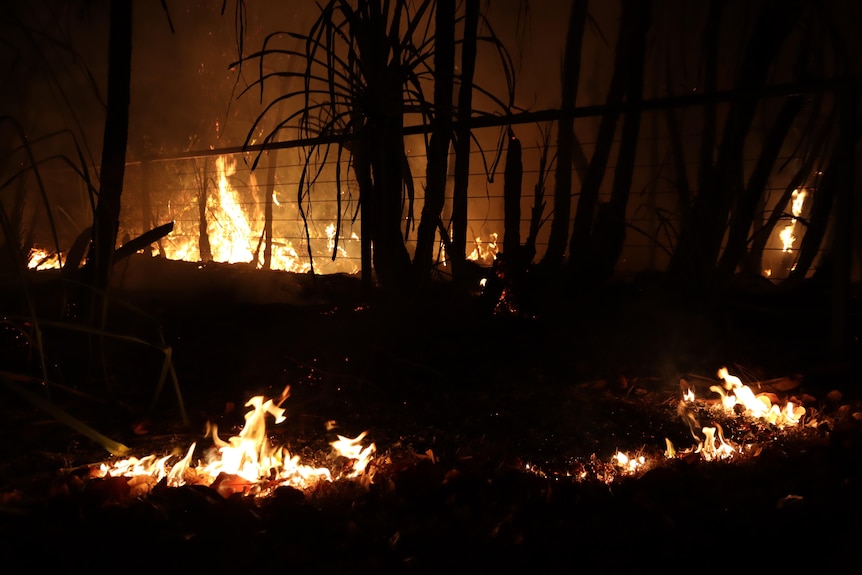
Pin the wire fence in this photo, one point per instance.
(224, 211)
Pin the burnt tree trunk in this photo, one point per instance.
(843, 235)
(538, 209)
(609, 232)
(362, 171)
(571, 72)
(383, 135)
(438, 152)
(267, 216)
(204, 247)
(107, 216)
(460, 192)
(754, 260)
(512, 179)
(693, 263)
(743, 215)
(834, 190)
(579, 246)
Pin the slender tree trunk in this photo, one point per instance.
(438, 152)
(538, 209)
(761, 238)
(693, 264)
(842, 236)
(512, 179)
(267, 216)
(107, 217)
(612, 231)
(711, 37)
(460, 191)
(559, 235)
(362, 170)
(579, 246)
(837, 182)
(147, 219)
(743, 216)
(204, 246)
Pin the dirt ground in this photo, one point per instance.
(493, 429)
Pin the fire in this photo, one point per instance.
(245, 463)
(713, 447)
(797, 202)
(759, 406)
(484, 252)
(629, 465)
(235, 229)
(39, 259)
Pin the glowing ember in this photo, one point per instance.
(246, 463)
(628, 464)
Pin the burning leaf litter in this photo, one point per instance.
(737, 403)
(249, 464)
(246, 463)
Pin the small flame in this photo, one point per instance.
(39, 259)
(629, 465)
(484, 252)
(712, 447)
(797, 202)
(759, 406)
(787, 237)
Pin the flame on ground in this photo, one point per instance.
(758, 406)
(710, 441)
(246, 463)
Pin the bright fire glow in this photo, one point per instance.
(629, 464)
(484, 252)
(246, 463)
(797, 202)
(39, 259)
(758, 406)
(713, 447)
(235, 230)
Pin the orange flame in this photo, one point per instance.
(247, 462)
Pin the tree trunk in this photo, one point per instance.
(611, 231)
(579, 246)
(460, 191)
(362, 171)
(559, 235)
(837, 182)
(693, 263)
(538, 209)
(842, 236)
(743, 216)
(107, 217)
(267, 216)
(754, 260)
(512, 178)
(204, 247)
(438, 152)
